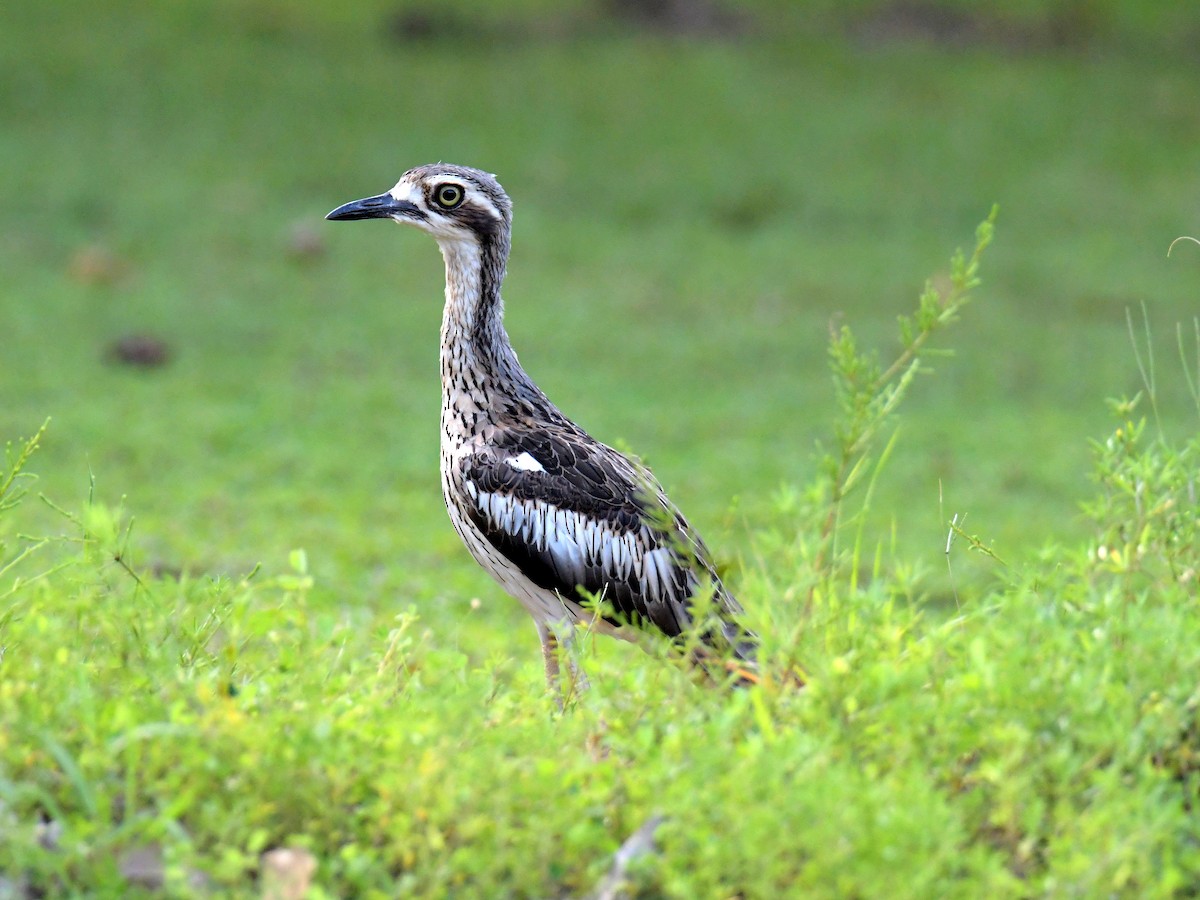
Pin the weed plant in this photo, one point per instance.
(166, 734)
(171, 713)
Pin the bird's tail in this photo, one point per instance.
(740, 660)
(747, 672)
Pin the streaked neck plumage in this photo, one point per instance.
(479, 367)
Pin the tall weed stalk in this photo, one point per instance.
(16, 550)
(868, 395)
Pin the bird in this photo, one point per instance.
(579, 533)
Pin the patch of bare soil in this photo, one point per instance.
(1065, 25)
(712, 19)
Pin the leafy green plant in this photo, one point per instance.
(868, 395)
(1146, 512)
(13, 488)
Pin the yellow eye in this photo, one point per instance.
(448, 196)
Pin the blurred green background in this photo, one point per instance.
(702, 188)
(700, 191)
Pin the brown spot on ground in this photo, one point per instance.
(305, 243)
(96, 265)
(142, 350)
(687, 18)
(1066, 24)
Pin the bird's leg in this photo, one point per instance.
(554, 643)
(579, 680)
(549, 641)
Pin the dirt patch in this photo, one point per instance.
(670, 18)
(1068, 24)
(683, 18)
(141, 350)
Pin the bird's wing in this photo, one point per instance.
(573, 515)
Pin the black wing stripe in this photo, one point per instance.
(564, 550)
(585, 521)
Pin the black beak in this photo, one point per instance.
(385, 206)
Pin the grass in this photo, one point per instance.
(691, 215)
(876, 163)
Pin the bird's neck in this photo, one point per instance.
(479, 367)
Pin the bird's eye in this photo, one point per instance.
(448, 196)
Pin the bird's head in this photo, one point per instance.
(455, 204)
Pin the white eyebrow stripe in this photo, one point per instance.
(523, 462)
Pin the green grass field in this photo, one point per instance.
(691, 215)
